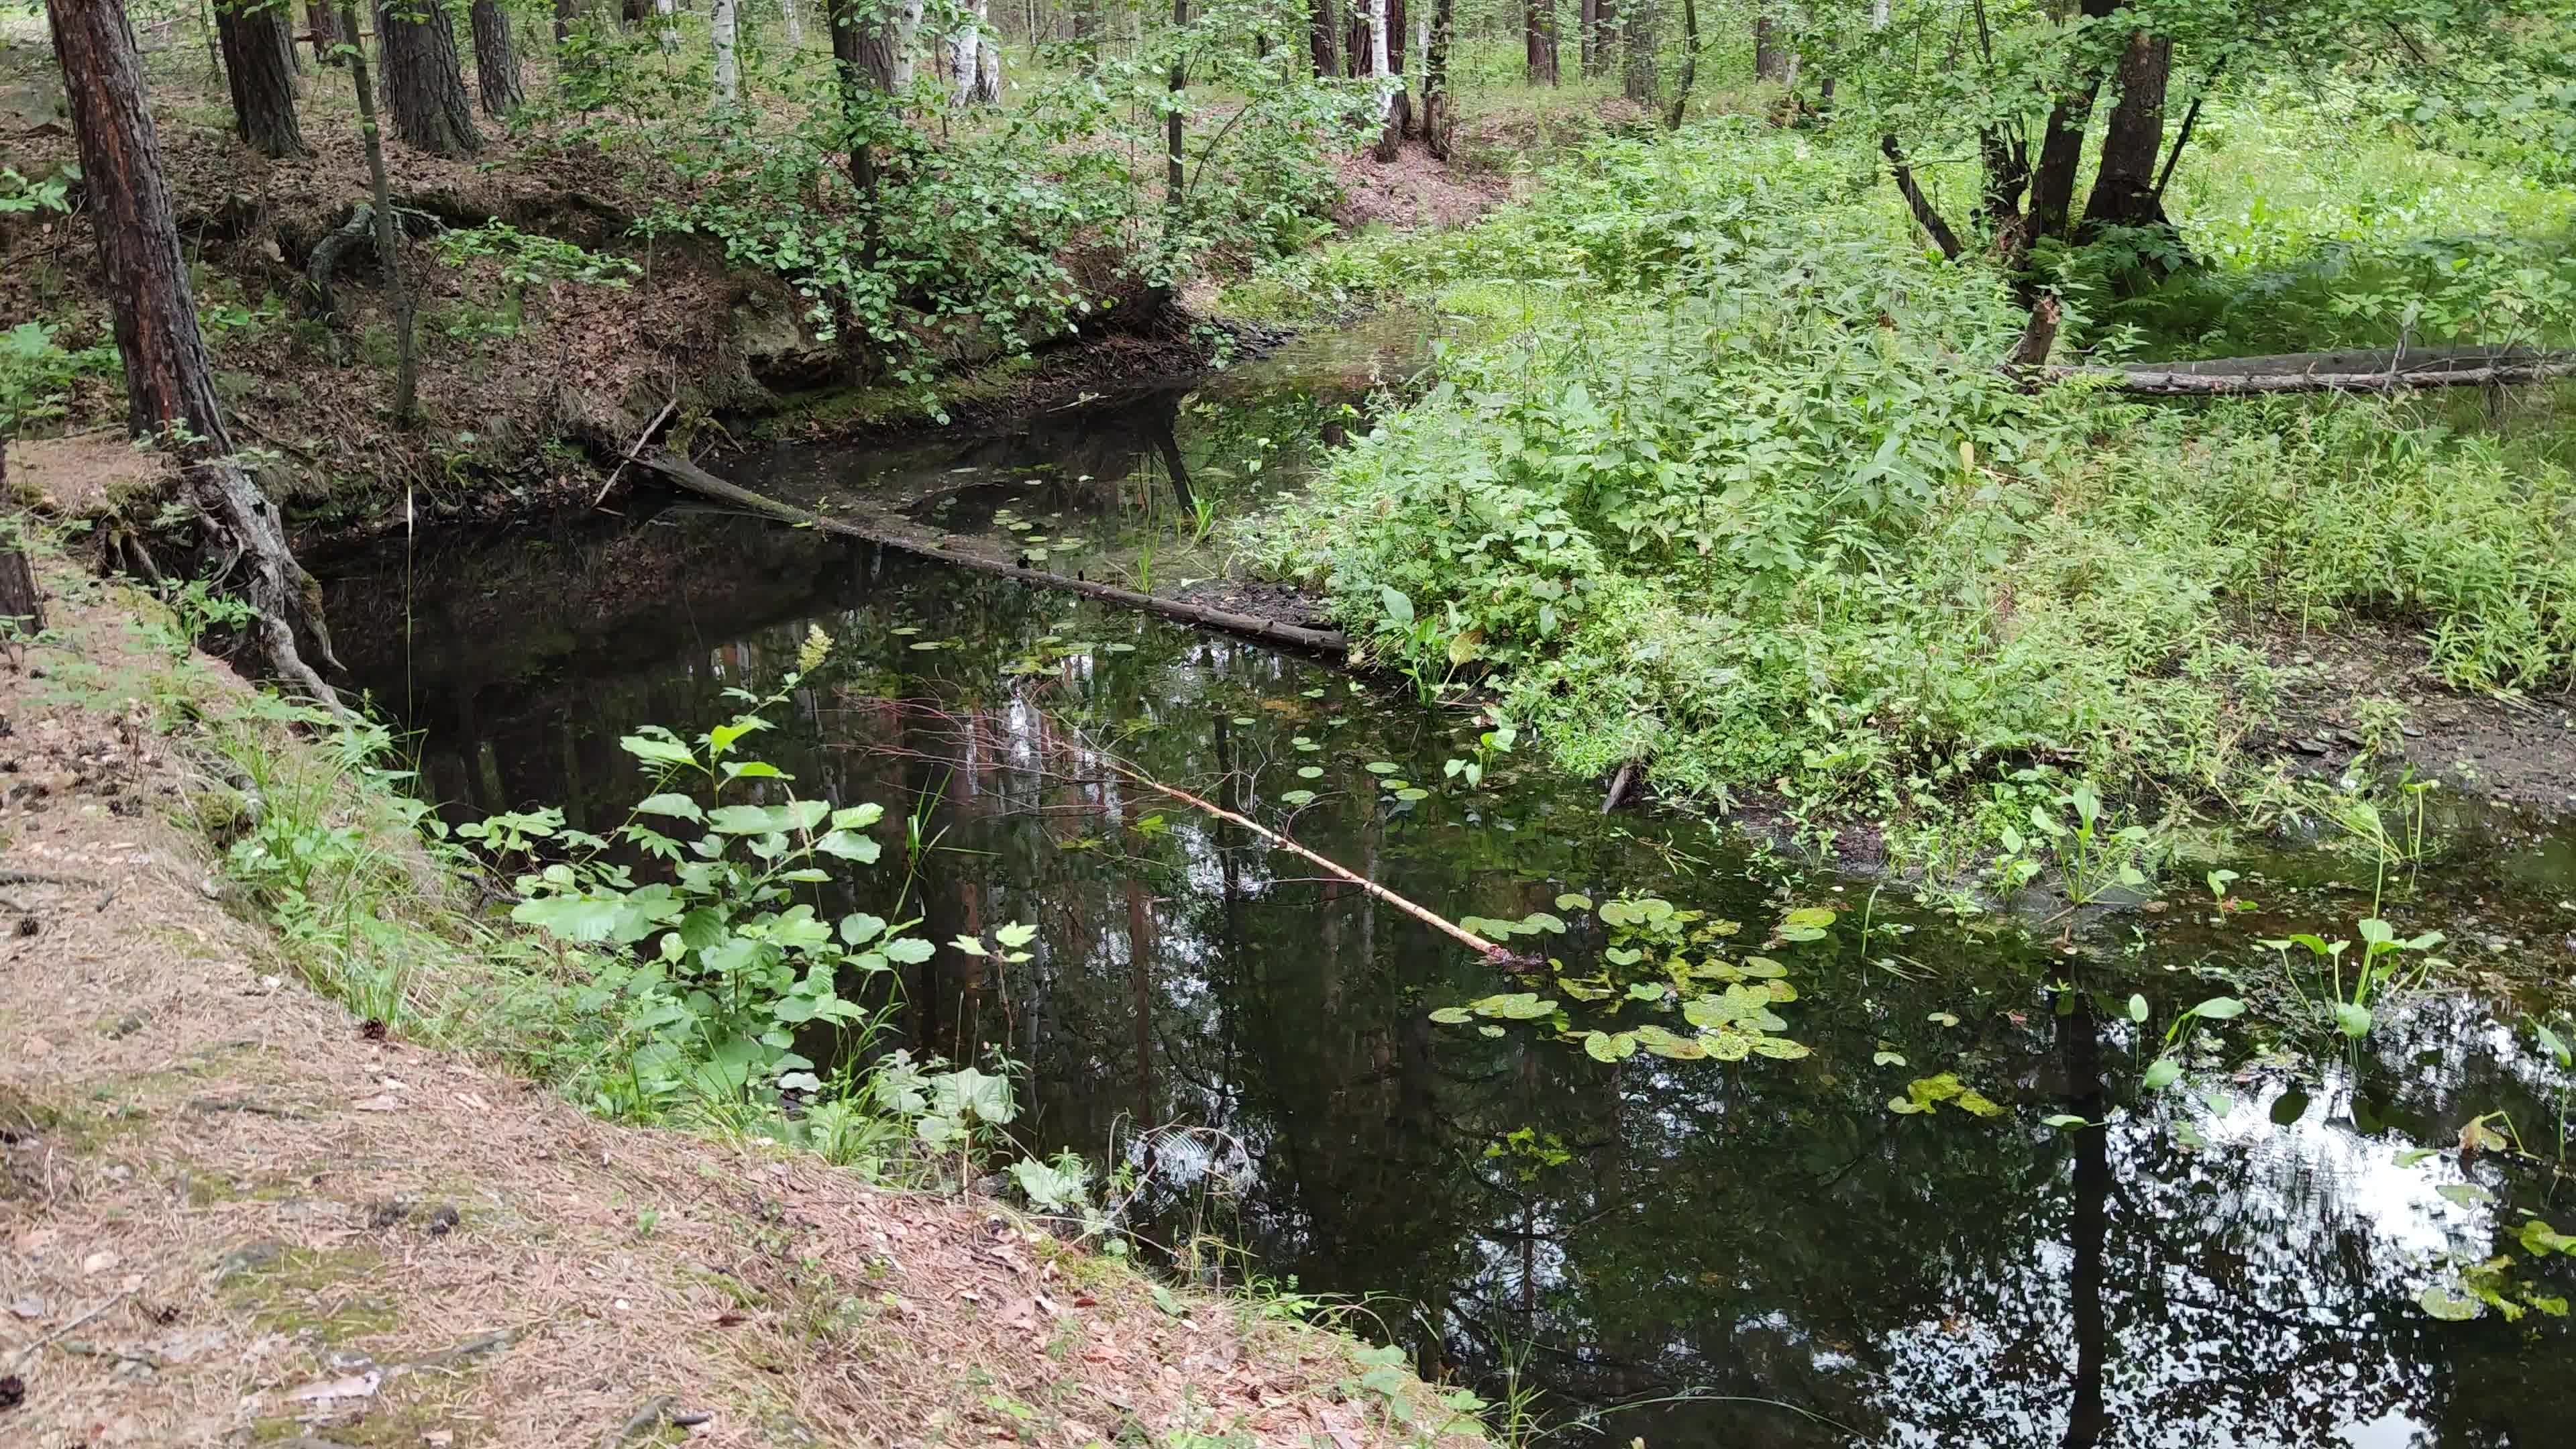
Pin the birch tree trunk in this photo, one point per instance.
(793, 21)
(670, 27)
(728, 73)
(1388, 120)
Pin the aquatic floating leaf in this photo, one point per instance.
(1515, 1006)
(2466, 1194)
(1587, 990)
(1762, 966)
(2408, 1157)
(1647, 991)
(1541, 920)
(1809, 916)
(1489, 1031)
(1571, 901)
(1605, 1047)
(1623, 956)
(1670, 1044)
(1727, 1044)
(1905, 1106)
(2448, 1304)
(2539, 1237)
(1782, 992)
(1885, 1058)
(1380, 767)
(902, 631)
(1942, 1018)
(1411, 792)
(1780, 1047)
(1241, 719)
(1310, 772)
(1453, 1016)
(1935, 1089)
(1296, 797)
(925, 645)
(2161, 1073)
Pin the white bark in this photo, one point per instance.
(1878, 15)
(971, 62)
(728, 68)
(794, 22)
(670, 27)
(1377, 60)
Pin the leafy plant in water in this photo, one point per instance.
(1489, 743)
(2091, 856)
(715, 974)
(2166, 1068)
(2383, 973)
(1663, 960)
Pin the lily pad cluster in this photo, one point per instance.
(1663, 962)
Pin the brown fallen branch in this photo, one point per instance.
(1442, 924)
(2368, 372)
(689, 476)
(1926, 215)
(635, 447)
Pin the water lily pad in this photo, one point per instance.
(1310, 772)
(2448, 1304)
(1296, 797)
(2466, 1194)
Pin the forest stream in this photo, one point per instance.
(1883, 1239)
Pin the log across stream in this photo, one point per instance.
(682, 473)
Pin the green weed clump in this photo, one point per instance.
(1742, 490)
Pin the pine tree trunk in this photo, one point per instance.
(1601, 38)
(1323, 39)
(22, 603)
(1770, 59)
(2124, 190)
(1690, 66)
(388, 234)
(1175, 184)
(1403, 100)
(169, 384)
(1539, 33)
(424, 88)
(496, 61)
(325, 32)
(263, 86)
(1637, 51)
(872, 44)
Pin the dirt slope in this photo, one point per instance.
(228, 1215)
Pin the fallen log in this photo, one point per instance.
(689, 476)
(2385, 371)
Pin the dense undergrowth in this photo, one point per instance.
(1723, 475)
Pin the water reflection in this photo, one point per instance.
(1764, 1230)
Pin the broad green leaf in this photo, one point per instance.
(2161, 1073)
(1604, 1047)
(2138, 1008)
(849, 845)
(2466, 1194)
(1398, 607)
(657, 747)
(2447, 1304)
(2219, 1008)
(680, 806)
(2352, 1020)
(1453, 1016)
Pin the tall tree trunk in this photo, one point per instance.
(1601, 39)
(285, 31)
(670, 26)
(1435, 79)
(1637, 50)
(566, 12)
(2061, 146)
(496, 63)
(792, 19)
(324, 31)
(1587, 15)
(263, 87)
(1770, 58)
(1539, 30)
(974, 63)
(872, 44)
(1389, 132)
(1690, 66)
(388, 233)
(169, 384)
(2124, 190)
(728, 67)
(424, 88)
(1401, 102)
(1175, 186)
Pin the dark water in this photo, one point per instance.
(2234, 1266)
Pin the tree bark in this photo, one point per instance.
(1435, 80)
(257, 70)
(1175, 188)
(872, 49)
(1323, 40)
(1538, 31)
(720, 30)
(169, 383)
(1402, 101)
(424, 87)
(1770, 57)
(1925, 214)
(1690, 66)
(2061, 148)
(2124, 189)
(792, 19)
(496, 63)
(2371, 372)
(1388, 134)
(1637, 50)
(325, 32)
(388, 230)
(670, 26)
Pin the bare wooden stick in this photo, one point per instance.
(698, 480)
(2369, 371)
(635, 447)
(1442, 924)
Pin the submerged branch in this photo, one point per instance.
(695, 479)
(1442, 924)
